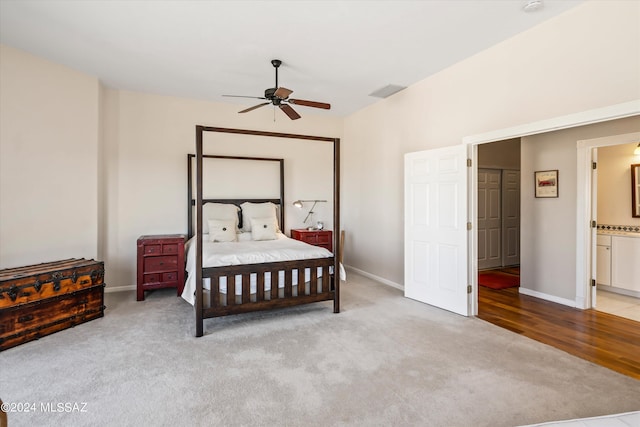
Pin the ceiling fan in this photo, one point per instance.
(279, 97)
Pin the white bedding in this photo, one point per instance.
(216, 254)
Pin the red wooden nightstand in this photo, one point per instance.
(160, 263)
(314, 237)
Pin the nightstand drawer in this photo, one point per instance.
(161, 277)
(323, 238)
(170, 249)
(152, 278)
(160, 263)
(152, 249)
(170, 277)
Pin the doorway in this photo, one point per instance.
(587, 203)
(498, 214)
(617, 288)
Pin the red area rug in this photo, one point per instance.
(498, 280)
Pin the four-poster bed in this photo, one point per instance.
(305, 274)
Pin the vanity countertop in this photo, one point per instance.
(618, 233)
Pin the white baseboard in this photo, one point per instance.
(547, 297)
(374, 277)
(109, 289)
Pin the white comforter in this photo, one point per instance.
(216, 254)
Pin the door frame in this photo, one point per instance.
(584, 234)
(598, 115)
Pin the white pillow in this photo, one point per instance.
(226, 211)
(264, 228)
(257, 210)
(222, 230)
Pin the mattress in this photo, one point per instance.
(218, 254)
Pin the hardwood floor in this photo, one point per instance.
(602, 338)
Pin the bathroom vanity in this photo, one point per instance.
(618, 261)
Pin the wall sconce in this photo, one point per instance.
(636, 152)
(299, 203)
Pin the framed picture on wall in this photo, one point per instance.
(546, 183)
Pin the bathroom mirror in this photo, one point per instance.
(635, 190)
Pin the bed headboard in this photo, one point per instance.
(279, 202)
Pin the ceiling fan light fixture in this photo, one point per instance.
(387, 91)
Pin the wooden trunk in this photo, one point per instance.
(38, 300)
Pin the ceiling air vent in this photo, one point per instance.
(387, 91)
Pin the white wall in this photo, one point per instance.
(614, 184)
(48, 161)
(147, 141)
(584, 59)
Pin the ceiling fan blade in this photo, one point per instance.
(254, 107)
(242, 96)
(289, 111)
(283, 92)
(310, 103)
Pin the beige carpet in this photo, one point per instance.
(385, 360)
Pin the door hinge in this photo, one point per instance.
(594, 224)
(468, 226)
(468, 163)
(594, 165)
(468, 289)
(593, 282)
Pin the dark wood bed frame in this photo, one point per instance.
(324, 288)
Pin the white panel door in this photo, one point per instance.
(436, 252)
(489, 218)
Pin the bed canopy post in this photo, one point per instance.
(336, 224)
(198, 304)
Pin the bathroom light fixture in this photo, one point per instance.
(299, 203)
(636, 152)
(533, 5)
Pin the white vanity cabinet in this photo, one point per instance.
(603, 259)
(625, 262)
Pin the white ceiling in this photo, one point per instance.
(332, 51)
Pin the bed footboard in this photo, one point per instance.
(275, 285)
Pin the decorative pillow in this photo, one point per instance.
(220, 211)
(257, 210)
(264, 228)
(222, 230)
